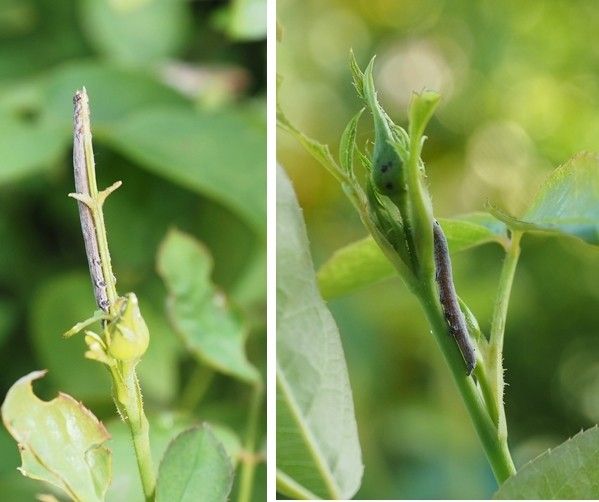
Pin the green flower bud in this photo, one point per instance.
(128, 336)
(388, 173)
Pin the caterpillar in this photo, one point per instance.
(449, 299)
(88, 227)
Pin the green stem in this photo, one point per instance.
(292, 489)
(126, 389)
(140, 432)
(496, 450)
(487, 388)
(495, 352)
(249, 460)
(95, 199)
(505, 287)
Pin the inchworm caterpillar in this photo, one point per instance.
(81, 135)
(449, 299)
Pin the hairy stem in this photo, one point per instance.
(487, 388)
(140, 432)
(249, 460)
(504, 290)
(126, 389)
(495, 448)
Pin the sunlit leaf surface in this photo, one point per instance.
(61, 441)
(317, 441)
(567, 201)
(567, 472)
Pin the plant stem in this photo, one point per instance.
(505, 287)
(126, 389)
(249, 460)
(496, 449)
(487, 388)
(140, 429)
(495, 354)
(90, 205)
(292, 489)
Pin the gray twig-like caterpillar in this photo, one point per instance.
(449, 299)
(88, 226)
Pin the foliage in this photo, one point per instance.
(568, 472)
(68, 448)
(318, 453)
(395, 207)
(157, 73)
(518, 99)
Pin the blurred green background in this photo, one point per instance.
(520, 96)
(177, 91)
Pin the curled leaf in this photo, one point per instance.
(61, 442)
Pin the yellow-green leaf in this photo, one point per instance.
(362, 263)
(60, 441)
(198, 311)
(567, 203)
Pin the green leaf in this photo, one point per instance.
(126, 486)
(362, 263)
(114, 94)
(136, 32)
(19, 488)
(198, 311)
(567, 202)
(60, 441)
(250, 288)
(347, 145)
(421, 110)
(357, 74)
(567, 472)
(59, 303)
(28, 147)
(195, 467)
(246, 19)
(420, 208)
(317, 440)
(230, 441)
(36, 115)
(221, 155)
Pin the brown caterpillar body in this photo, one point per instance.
(449, 299)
